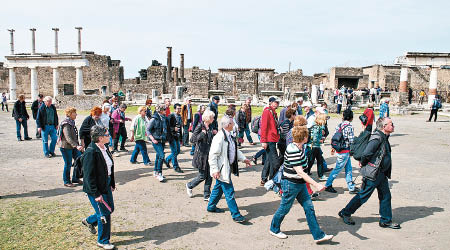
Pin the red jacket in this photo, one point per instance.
(370, 116)
(269, 126)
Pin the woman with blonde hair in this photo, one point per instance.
(316, 141)
(138, 133)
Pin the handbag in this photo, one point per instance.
(370, 170)
(363, 119)
(78, 166)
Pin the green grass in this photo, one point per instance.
(39, 224)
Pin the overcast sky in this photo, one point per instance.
(312, 35)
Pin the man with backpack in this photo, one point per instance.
(269, 138)
(435, 106)
(377, 155)
(340, 144)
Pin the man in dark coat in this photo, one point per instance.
(34, 109)
(47, 122)
(21, 116)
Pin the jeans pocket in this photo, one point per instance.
(285, 187)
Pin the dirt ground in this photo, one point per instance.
(150, 214)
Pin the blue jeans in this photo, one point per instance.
(261, 152)
(49, 130)
(159, 148)
(175, 149)
(25, 128)
(68, 155)
(186, 133)
(292, 191)
(247, 133)
(384, 195)
(227, 189)
(193, 149)
(142, 148)
(343, 160)
(104, 230)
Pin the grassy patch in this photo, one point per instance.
(38, 224)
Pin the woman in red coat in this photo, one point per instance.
(370, 117)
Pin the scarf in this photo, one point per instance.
(69, 122)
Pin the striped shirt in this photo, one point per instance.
(294, 157)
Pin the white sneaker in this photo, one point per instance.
(155, 174)
(160, 178)
(105, 246)
(323, 178)
(189, 191)
(324, 239)
(279, 235)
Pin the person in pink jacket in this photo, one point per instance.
(118, 118)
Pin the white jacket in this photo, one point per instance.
(218, 157)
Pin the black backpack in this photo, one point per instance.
(338, 140)
(359, 145)
(255, 124)
(78, 166)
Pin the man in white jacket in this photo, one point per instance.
(223, 160)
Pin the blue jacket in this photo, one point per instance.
(157, 127)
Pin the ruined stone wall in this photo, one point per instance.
(84, 102)
(295, 81)
(4, 81)
(197, 82)
(248, 81)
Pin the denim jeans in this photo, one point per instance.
(261, 152)
(49, 130)
(25, 128)
(247, 133)
(343, 160)
(384, 195)
(68, 155)
(186, 133)
(142, 148)
(122, 132)
(203, 175)
(292, 191)
(104, 230)
(227, 189)
(159, 148)
(272, 164)
(193, 149)
(175, 150)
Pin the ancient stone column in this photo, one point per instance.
(79, 81)
(234, 86)
(216, 83)
(175, 76)
(11, 43)
(55, 81)
(169, 64)
(314, 98)
(79, 39)
(33, 42)
(403, 88)
(34, 84)
(256, 83)
(182, 68)
(12, 84)
(56, 40)
(432, 89)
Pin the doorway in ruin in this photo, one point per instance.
(348, 82)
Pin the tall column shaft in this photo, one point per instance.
(12, 84)
(11, 43)
(55, 81)
(432, 89)
(175, 76)
(79, 39)
(34, 84)
(56, 39)
(169, 64)
(79, 81)
(403, 80)
(182, 68)
(33, 41)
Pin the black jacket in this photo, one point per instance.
(20, 110)
(157, 127)
(95, 172)
(212, 107)
(35, 108)
(196, 121)
(202, 138)
(373, 150)
(41, 119)
(241, 120)
(172, 123)
(85, 130)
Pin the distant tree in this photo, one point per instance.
(155, 63)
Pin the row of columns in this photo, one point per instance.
(432, 88)
(34, 82)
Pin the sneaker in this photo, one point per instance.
(206, 198)
(105, 246)
(240, 219)
(160, 177)
(279, 235)
(216, 210)
(330, 189)
(147, 164)
(52, 154)
(324, 239)
(346, 219)
(189, 191)
(323, 178)
(89, 226)
(115, 154)
(354, 191)
(123, 150)
(390, 225)
(178, 170)
(48, 156)
(27, 138)
(262, 183)
(314, 196)
(255, 161)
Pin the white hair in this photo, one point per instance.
(208, 115)
(48, 98)
(225, 121)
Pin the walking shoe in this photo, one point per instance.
(323, 178)
(47, 156)
(189, 191)
(314, 196)
(255, 161)
(89, 226)
(160, 177)
(69, 185)
(328, 170)
(324, 239)
(240, 219)
(147, 164)
(354, 191)
(347, 219)
(390, 225)
(206, 198)
(52, 154)
(133, 162)
(105, 246)
(330, 189)
(19, 139)
(178, 170)
(155, 174)
(28, 138)
(279, 235)
(124, 150)
(216, 210)
(252, 143)
(262, 183)
(79, 182)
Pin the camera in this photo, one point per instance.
(103, 220)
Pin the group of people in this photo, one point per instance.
(291, 142)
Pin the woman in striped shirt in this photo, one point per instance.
(293, 187)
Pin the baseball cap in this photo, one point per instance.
(274, 99)
(216, 98)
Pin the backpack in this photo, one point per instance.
(359, 145)
(437, 104)
(255, 124)
(78, 166)
(338, 140)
